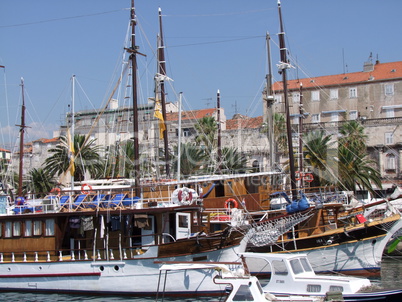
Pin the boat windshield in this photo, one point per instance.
(243, 294)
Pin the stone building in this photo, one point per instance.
(372, 96)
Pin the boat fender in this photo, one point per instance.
(86, 189)
(56, 191)
(231, 203)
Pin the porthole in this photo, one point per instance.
(40, 268)
(116, 268)
(101, 268)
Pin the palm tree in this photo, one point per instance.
(280, 133)
(316, 148)
(353, 136)
(233, 161)
(39, 182)
(192, 158)
(356, 170)
(207, 129)
(87, 158)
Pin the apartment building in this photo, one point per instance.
(372, 96)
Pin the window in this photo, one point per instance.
(389, 138)
(1, 229)
(278, 98)
(28, 228)
(17, 228)
(353, 115)
(353, 92)
(296, 97)
(315, 118)
(8, 229)
(296, 266)
(389, 113)
(279, 267)
(313, 288)
(390, 163)
(334, 117)
(333, 94)
(295, 119)
(315, 96)
(37, 231)
(389, 89)
(49, 227)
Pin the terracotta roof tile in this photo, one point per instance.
(4, 150)
(190, 115)
(244, 122)
(382, 71)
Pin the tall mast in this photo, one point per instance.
(283, 66)
(22, 130)
(133, 59)
(300, 135)
(71, 143)
(179, 141)
(218, 106)
(162, 72)
(269, 102)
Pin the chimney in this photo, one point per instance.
(368, 65)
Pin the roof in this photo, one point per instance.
(244, 122)
(381, 72)
(4, 150)
(47, 140)
(190, 115)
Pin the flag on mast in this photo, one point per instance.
(71, 166)
(158, 114)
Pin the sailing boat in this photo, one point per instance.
(334, 240)
(112, 242)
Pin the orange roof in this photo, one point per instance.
(244, 122)
(47, 140)
(381, 72)
(190, 115)
(4, 150)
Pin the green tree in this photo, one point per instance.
(353, 136)
(86, 159)
(39, 182)
(192, 158)
(233, 161)
(207, 130)
(356, 170)
(316, 148)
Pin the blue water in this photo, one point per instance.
(391, 274)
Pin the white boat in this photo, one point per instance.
(239, 286)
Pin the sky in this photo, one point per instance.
(210, 45)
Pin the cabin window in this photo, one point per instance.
(1, 230)
(279, 267)
(28, 228)
(8, 229)
(296, 266)
(313, 288)
(243, 294)
(49, 227)
(306, 265)
(37, 229)
(17, 228)
(334, 288)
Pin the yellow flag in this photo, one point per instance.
(71, 151)
(158, 114)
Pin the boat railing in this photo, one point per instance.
(92, 202)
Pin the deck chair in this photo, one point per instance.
(115, 202)
(129, 201)
(65, 201)
(78, 201)
(96, 201)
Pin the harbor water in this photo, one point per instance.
(391, 274)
